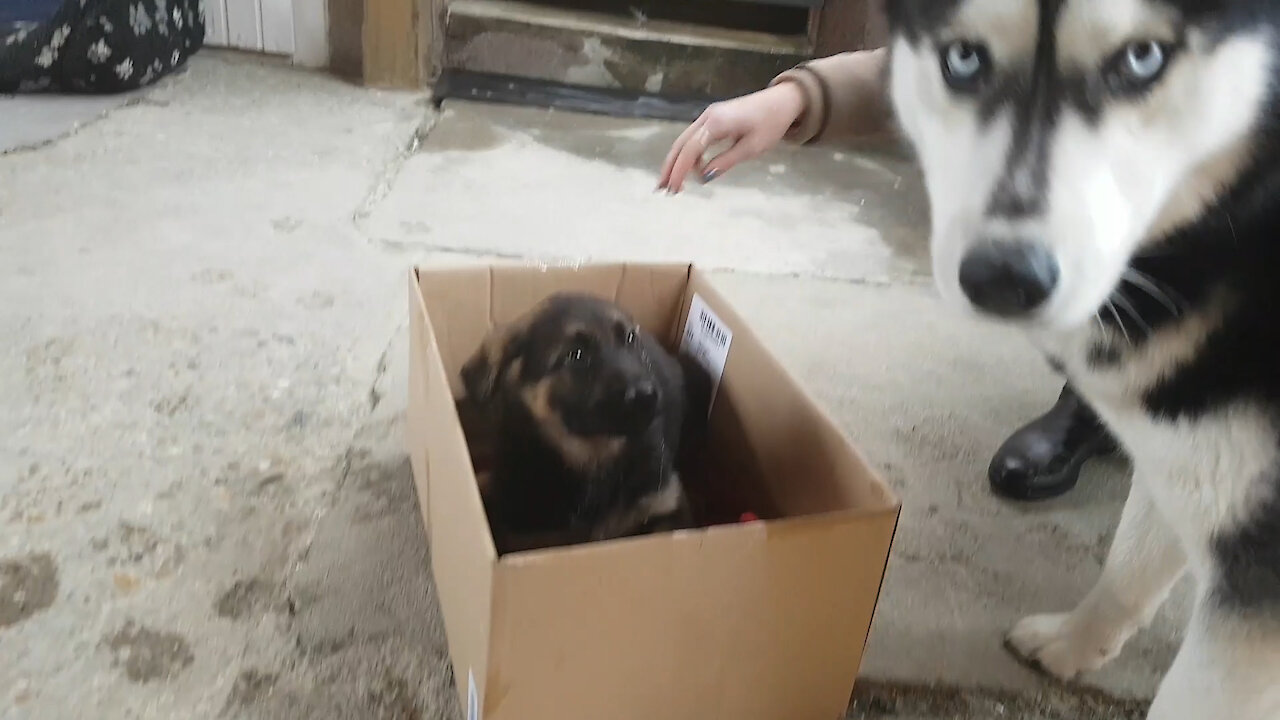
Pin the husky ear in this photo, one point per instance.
(484, 369)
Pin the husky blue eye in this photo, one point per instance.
(964, 65)
(1144, 60)
(1138, 65)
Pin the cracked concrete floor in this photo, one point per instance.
(206, 510)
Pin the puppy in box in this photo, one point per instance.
(588, 412)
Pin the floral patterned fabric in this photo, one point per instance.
(100, 46)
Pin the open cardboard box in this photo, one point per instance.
(754, 621)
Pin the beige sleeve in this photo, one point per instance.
(845, 97)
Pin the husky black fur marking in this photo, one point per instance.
(1249, 561)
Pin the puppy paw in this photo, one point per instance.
(1062, 646)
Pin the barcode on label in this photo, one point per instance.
(709, 327)
(473, 699)
(706, 339)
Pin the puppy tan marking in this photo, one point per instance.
(583, 453)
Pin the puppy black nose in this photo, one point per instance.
(1008, 278)
(641, 397)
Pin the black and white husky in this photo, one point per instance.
(1105, 174)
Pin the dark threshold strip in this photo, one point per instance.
(487, 87)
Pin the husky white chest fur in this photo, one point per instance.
(1105, 175)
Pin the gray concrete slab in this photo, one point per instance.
(582, 187)
(192, 329)
(206, 508)
(28, 121)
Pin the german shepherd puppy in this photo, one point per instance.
(588, 411)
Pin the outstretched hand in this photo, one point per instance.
(751, 124)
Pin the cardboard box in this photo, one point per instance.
(753, 621)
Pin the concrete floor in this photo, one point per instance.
(206, 510)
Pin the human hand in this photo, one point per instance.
(752, 124)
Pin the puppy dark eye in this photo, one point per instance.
(626, 334)
(1138, 65)
(965, 65)
(581, 345)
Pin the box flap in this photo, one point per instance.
(416, 412)
(462, 551)
(783, 433)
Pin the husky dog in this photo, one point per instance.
(1104, 174)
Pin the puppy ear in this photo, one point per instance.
(483, 370)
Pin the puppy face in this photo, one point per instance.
(579, 366)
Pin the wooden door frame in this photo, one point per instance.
(386, 43)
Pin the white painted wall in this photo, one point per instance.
(298, 29)
(311, 33)
(215, 22)
(244, 23)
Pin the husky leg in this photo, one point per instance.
(1145, 561)
(1227, 668)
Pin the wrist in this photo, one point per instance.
(791, 100)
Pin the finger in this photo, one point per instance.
(691, 157)
(664, 177)
(743, 150)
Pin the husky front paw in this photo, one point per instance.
(1062, 646)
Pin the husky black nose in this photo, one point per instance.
(641, 398)
(1008, 278)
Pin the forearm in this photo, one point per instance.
(845, 97)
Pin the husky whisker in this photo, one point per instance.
(1116, 314)
(1123, 301)
(1158, 291)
